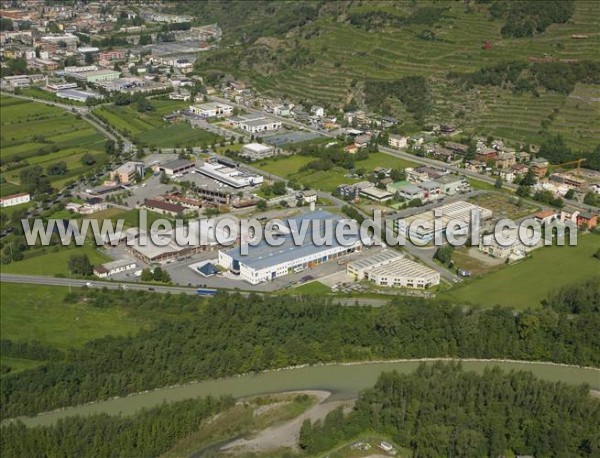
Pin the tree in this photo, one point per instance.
(88, 159)
(164, 178)
(143, 105)
(58, 168)
(279, 188)
(262, 204)
(34, 181)
(6, 24)
(145, 40)
(523, 191)
(529, 179)
(397, 174)
(498, 183)
(570, 194)
(471, 151)
(79, 264)
(591, 199)
(415, 202)
(444, 254)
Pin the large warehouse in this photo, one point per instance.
(404, 273)
(265, 262)
(426, 231)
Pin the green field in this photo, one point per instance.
(343, 55)
(289, 168)
(150, 129)
(30, 131)
(525, 284)
(35, 312)
(52, 262)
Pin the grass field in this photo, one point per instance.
(52, 263)
(150, 129)
(36, 312)
(289, 168)
(503, 207)
(345, 55)
(30, 131)
(525, 284)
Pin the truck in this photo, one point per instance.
(206, 292)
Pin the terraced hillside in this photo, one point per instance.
(327, 60)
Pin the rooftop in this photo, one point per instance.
(373, 260)
(264, 255)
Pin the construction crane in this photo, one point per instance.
(578, 162)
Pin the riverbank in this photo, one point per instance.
(343, 380)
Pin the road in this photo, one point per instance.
(75, 283)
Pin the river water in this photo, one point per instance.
(343, 380)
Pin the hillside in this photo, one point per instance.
(332, 53)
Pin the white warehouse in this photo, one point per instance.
(265, 262)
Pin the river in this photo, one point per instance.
(343, 380)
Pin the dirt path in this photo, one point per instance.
(286, 434)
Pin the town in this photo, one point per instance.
(133, 114)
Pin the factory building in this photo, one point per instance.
(421, 226)
(265, 262)
(404, 273)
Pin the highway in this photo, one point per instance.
(95, 283)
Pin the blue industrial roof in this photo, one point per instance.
(264, 255)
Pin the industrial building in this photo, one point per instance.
(181, 242)
(114, 267)
(211, 109)
(15, 199)
(256, 151)
(359, 268)
(265, 262)
(404, 273)
(127, 172)
(177, 166)
(426, 231)
(255, 122)
(76, 95)
(229, 176)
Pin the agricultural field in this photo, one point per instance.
(150, 129)
(45, 261)
(343, 56)
(503, 206)
(36, 134)
(526, 283)
(326, 180)
(36, 312)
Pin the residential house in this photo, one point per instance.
(539, 165)
(347, 191)
(397, 141)
(458, 148)
(587, 219)
(505, 160)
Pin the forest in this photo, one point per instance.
(441, 410)
(558, 77)
(151, 432)
(527, 18)
(235, 334)
(412, 91)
